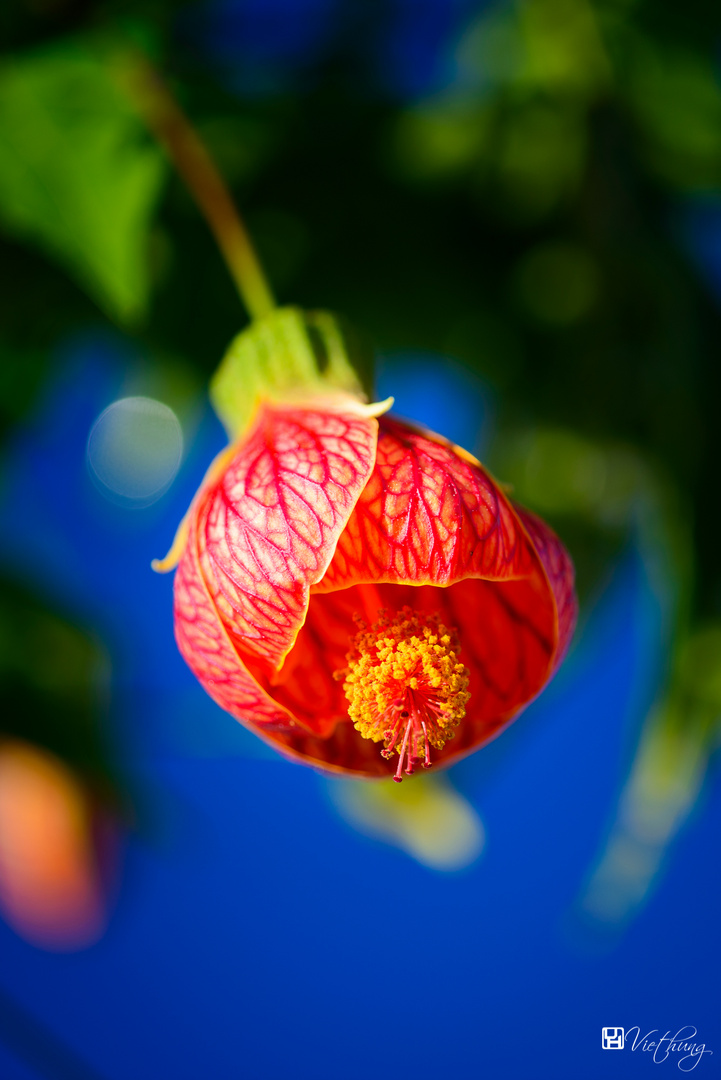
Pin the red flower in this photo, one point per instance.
(348, 581)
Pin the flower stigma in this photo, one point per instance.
(406, 685)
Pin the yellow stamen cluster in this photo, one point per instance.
(406, 666)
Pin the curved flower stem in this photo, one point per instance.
(174, 132)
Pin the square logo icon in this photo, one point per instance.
(612, 1038)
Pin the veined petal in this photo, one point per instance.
(207, 649)
(508, 640)
(512, 634)
(560, 573)
(428, 516)
(268, 527)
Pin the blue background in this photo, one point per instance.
(254, 934)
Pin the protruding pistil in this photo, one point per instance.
(406, 686)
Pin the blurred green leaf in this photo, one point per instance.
(433, 142)
(558, 283)
(78, 174)
(677, 99)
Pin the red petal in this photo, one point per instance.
(209, 651)
(508, 640)
(560, 573)
(428, 516)
(268, 527)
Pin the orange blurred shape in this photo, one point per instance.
(50, 890)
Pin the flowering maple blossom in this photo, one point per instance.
(349, 580)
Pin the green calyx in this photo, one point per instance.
(288, 355)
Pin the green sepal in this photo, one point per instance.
(288, 355)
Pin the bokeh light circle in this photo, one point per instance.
(134, 450)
